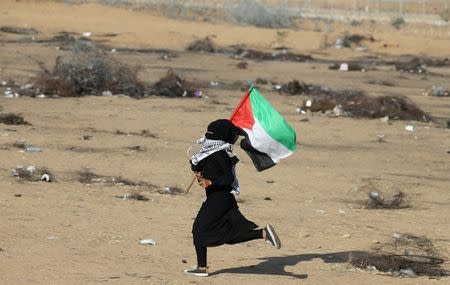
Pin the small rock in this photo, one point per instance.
(107, 93)
(184, 261)
(409, 128)
(268, 199)
(270, 181)
(17, 195)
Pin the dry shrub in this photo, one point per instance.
(87, 177)
(12, 119)
(19, 30)
(377, 201)
(415, 65)
(356, 103)
(33, 174)
(89, 71)
(283, 55)
(403, 252)
(395, 107)
(380, 82)
(142, 133)
(133, 196)
(261, 81)
(204, 45)
(174, 85)
(242, 65)
(172, 190)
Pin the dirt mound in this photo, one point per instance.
(12, 119)
(405, 255)
(203, 45)
(174, 85)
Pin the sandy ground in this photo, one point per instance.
(70, 233)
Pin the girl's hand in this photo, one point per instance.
(204, 183)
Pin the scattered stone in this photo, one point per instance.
(17, 195)
(268, 199)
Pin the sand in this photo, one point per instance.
(69, 233)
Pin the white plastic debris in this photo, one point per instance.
(107, 93)
(3, 83)
(408, 272)
(41, 96)
(374, 195)
(31, 169)
(343, 67)
(308, 103)
(87, 34)
(27, 86)
(113, 50)
(385, 119)
(277, 87)
(45, 177)
(409, 128)
(214, 83)
(147, 242)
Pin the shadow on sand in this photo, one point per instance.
(275, 265)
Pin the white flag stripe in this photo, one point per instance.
(263, 142)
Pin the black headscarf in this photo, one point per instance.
(223, 130)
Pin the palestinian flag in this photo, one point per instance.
(268, 137)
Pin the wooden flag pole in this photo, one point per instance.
(190, 185)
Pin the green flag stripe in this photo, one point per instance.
(272, 122)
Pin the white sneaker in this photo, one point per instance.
(197, 272)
